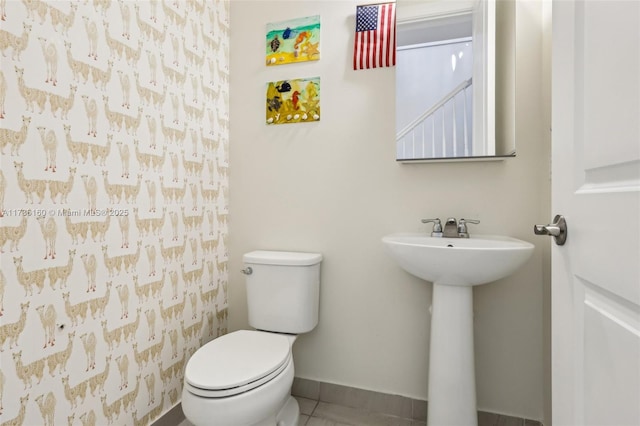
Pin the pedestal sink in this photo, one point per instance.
(454, 266)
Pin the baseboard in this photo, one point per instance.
(173, 417)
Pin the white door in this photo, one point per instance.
(596, 186)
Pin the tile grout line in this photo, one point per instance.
(315, 407)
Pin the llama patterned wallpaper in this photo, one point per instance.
(113, 194)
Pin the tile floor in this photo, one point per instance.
(318, 413)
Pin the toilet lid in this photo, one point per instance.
(236, 360)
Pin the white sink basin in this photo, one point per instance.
(479, 259)
(455, 265)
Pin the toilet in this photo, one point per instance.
(244, 378)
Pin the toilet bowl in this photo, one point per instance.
(244, 378)
(253, 388)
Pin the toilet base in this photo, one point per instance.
(290, 413)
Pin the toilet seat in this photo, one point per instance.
(236, 363)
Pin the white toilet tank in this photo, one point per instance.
(283, 290)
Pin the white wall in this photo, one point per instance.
(334, 187)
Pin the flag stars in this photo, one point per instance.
(367, 18)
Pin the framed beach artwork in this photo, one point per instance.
(293, 101)
(295, 40)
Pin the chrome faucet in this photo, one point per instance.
(452, 228)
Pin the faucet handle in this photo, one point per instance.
(462, 227)
(437, 226)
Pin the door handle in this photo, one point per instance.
(557, 230)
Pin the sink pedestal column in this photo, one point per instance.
(452, 382)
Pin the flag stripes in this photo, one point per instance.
(375, 38)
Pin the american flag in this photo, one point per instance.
(375, 40)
